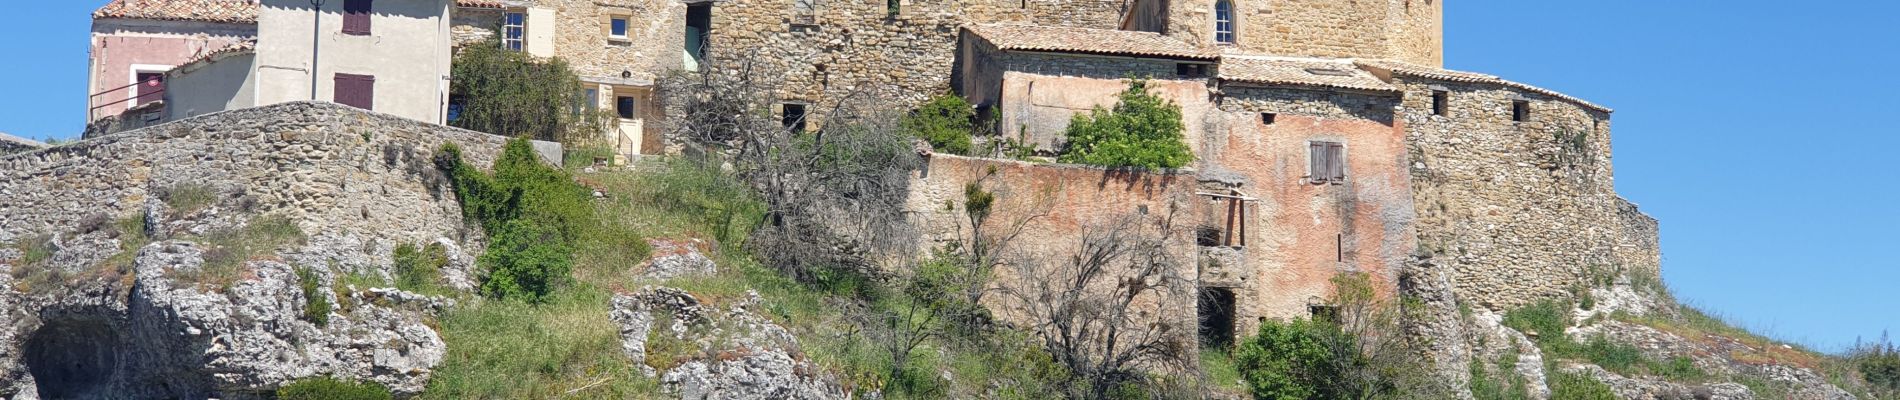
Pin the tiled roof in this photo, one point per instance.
(228, 11)
(1404, 68)
(495, 4)
(209, 56)
(1337, 74)
(1089, 41)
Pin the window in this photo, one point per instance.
(1217, 317)
(513, 29)
(1440, 99)
(356, 91)
(1323, 312)
(150, 87)
(698, 25)
(1520, 110)
(356, 17)
(1267, 118)
(1328, 162)
(617, 28)
(1224, 22)
(794, 117)
(1190, 70)
(893, 7)
(623, 107)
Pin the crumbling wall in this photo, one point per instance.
(1520, 210)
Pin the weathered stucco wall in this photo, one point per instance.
(1520, 210)
(228, 83)
(122, 47)
(1060, 204)
(1299, 234)
(407, 51)
(345, 175)
(1038, 94)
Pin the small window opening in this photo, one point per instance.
(1440, 99)
(893, 7)
(1217, 317)
(1327, 162)
(698, 26)
(617, 28)
(623, 107)
(794, 117)
(1207, 236)
(1321, 312)
(1520, 110)
(804, 12)
(1186, 70)
(356, 17)
(1267, 118)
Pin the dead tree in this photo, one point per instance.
(1085, 306)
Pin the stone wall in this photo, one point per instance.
(1519, 210)
(344, 174)
(1037, 95)
(14, 144)
(853, 44)
(1406, 30)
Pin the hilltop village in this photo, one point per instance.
(1327, 142)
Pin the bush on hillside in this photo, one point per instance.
(1143, 130)
(1286, 360)
(419, 269)
(511, 93)
(947, 122)
(1353, 352)
(327, 388)
(533, 214)
(316, 305)
(1879, 365)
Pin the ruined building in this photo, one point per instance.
(1328, 136)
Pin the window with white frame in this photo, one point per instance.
(617, 27)
(513, 30)
(1224, 22)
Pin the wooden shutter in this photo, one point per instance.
(1316, 162)
(356, 91)
(356, 17)
(1336, 157)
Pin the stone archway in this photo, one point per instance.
(74, 358)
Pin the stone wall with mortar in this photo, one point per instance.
(853, 44)
(1519, 210)
(1036, 95)
(1407, 30)
(352, 179)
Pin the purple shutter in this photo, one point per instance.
(356, 91)
(356, 17)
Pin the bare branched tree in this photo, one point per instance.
(1086, 306)
(834, 195)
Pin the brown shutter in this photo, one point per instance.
(356, 91)
(1336, 153)
(1316, 160)
(356, 17)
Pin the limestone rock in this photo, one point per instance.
(675, 258)
(743, 355)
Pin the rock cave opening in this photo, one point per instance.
(73, 358)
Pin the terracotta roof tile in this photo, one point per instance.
(243, 47)
(495, 4)
(228, 11)
(1337, 74)
(1089, 41)
(1404, 68)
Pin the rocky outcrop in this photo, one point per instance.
(133, 270)
(733, 353)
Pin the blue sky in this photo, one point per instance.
(1756, 131)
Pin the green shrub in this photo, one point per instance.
(187, 199)
(1879, 364)
(1569, 386)
(327, 388)
(316, 306)
(946, 122)
(1143, 130)
(512, 93)
(1547, 319)
(35, 249)
(533, 214)
(226, 251)
(419, 270)
(1287, 360)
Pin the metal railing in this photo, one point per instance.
(92, 113)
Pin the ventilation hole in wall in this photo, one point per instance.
(1267, 118)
